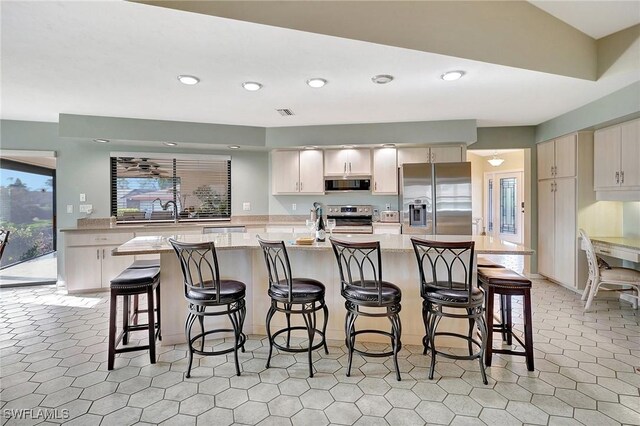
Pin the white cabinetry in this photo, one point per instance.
(341, 162)
(564, 178)
(89, 264)
(616, 163)
(385, 171)
(297, 172)
(434, 154)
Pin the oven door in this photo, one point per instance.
(352, 224)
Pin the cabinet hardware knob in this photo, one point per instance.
(300, 185)
(622, 177)
(617, 177)
(97, 254)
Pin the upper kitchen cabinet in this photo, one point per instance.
(557, 158)
(616, 164)
(385, 171)
(435, 154)
(297, 172)
(341, 162)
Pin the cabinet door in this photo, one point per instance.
(385, 171)
(565, 231)
(311, 177)
(412, 155)
(606, 158)
(630, 158)
(285, 172)
(565, 156)
(446, 154)
(335, 162)
(546, 153)
(112, 266)
(546, 228)
(359, 162)
(380, 229)
(83, 268)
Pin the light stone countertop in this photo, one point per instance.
(388, 243)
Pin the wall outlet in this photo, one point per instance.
(294, 206)
(69, 208)
(388, 206)
(86, 208)
(246, 206)
(83, 198)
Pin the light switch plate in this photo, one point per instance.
(86, 208)
(69, 208)
(83, 198)
(246, 206)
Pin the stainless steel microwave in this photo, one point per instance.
(350, 184)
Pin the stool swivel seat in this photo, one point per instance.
(446, 282)
(134, 282)
(208, 295)
(366, 294)
(507, 283)
(289, 295)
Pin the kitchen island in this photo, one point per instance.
(240, 258)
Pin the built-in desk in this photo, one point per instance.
(618, 247)
(240, 258)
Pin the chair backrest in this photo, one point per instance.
(277, 261)
(444, 265)
(4, 239)
(592, 259)
(359, 264)
(199, 264)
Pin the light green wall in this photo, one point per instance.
(618, 106)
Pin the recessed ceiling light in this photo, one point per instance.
(316, 82)
(169, 143)
(388, 145)
(382, 78)
(452, 75)
(348, 146)
(188, 79)
(252, 86)
(101, 140)
(234, 146)
(310, 147)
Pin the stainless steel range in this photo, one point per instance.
(351, 219)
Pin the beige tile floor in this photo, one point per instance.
(53, 358)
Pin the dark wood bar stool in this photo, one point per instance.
(134, 282)
(507, 283)
(483, 262)
(290, 295)
(209, 296)
(446, 282)
(505, 314)
(360, 266)
(141, 264)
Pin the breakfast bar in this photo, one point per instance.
(240, 258)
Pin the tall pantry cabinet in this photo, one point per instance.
(565, 191)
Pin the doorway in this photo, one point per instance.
(28, 213)
(504, 205)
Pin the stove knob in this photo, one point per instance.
(360, 210)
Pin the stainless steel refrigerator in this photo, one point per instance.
(435, 199)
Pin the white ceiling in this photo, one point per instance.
(595, 18)
(121, 59)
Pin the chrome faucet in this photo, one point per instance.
(165, 206)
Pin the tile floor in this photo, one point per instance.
(53, 360)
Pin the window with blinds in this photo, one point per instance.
(153, 189)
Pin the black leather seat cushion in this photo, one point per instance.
(230, 290)
(443, 295)
(150, 263)
(369, 293)
(130, 278)
(502, 277)
(303, 288)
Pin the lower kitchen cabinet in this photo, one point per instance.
(88, 262)
(386, 228)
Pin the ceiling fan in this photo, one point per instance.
(140, 167)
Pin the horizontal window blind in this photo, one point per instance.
(141, 187)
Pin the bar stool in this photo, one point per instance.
(447, 282)
(141, 264)
(134, 282)
(507, 283)
(293, 296)
(204, 289)
(505, 304)
(360, 266)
